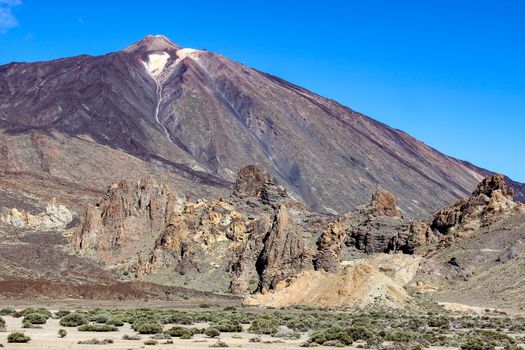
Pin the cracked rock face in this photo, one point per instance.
(491, 199)
(284, 252)
(384, 203)
(128, 211)
(251, 181)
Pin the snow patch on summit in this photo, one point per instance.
(156, 63)
(187, 52)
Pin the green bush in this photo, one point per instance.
(181, 318)
(150, 342)
(74, 319)
(476, 343)
(27, 324)
(401, 336)
(186, 336)
(97, 327)
(178, 331)
(62, 313)
(115, 321)
(2, 325)
(41, 310)
(227, 326)
(147, 325)
(62, 333)
(18, 337)
(212, 332)
(100, 318)
(335, 333)
(7, 311)
(35, 318)
(439, 322)
(361, 333)
(263, 326)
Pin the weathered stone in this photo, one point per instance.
(251, 181)
(330, 246)
(384, 203)
(128, 211)
(491, 184)
(284, 252)
(491, 199)
(55, 217)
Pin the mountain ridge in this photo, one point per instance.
(204, 117)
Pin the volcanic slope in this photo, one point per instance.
(195, 118)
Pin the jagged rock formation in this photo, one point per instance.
(128, 212)
(284, 253)
(249, 242)
(489, 202)
(144, 228)
(55, 217)
(384, 204)
(251, 181)
(375, 228)
(254, 181)
(196, 243)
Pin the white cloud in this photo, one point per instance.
(10, 3)
(7, 18)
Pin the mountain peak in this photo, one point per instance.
(153, 43)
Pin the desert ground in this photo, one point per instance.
(186, 326)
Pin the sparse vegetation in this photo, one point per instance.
(95, 341)
(74, 319)
(18, 337)
(131, 337)
(7, 311)
(379, 329)
(147, 325)
(94, 327)
(35, 318)
(212, 332)
(219, 344)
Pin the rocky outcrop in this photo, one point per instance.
(197, 239)
(284, 252)
(330, 246)
(253, 181)
(375, 228)
(259, 237)
(491, 184)
(128, 211)
(377, 280)
(415, 234)
(55, 217)
(491, 200)
(384, 204)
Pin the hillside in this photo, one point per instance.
(192, 118)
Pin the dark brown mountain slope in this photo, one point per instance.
(194, 115)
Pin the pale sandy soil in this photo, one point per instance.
(47, 338)
(72, 304)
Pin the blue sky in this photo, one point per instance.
(451, 73)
